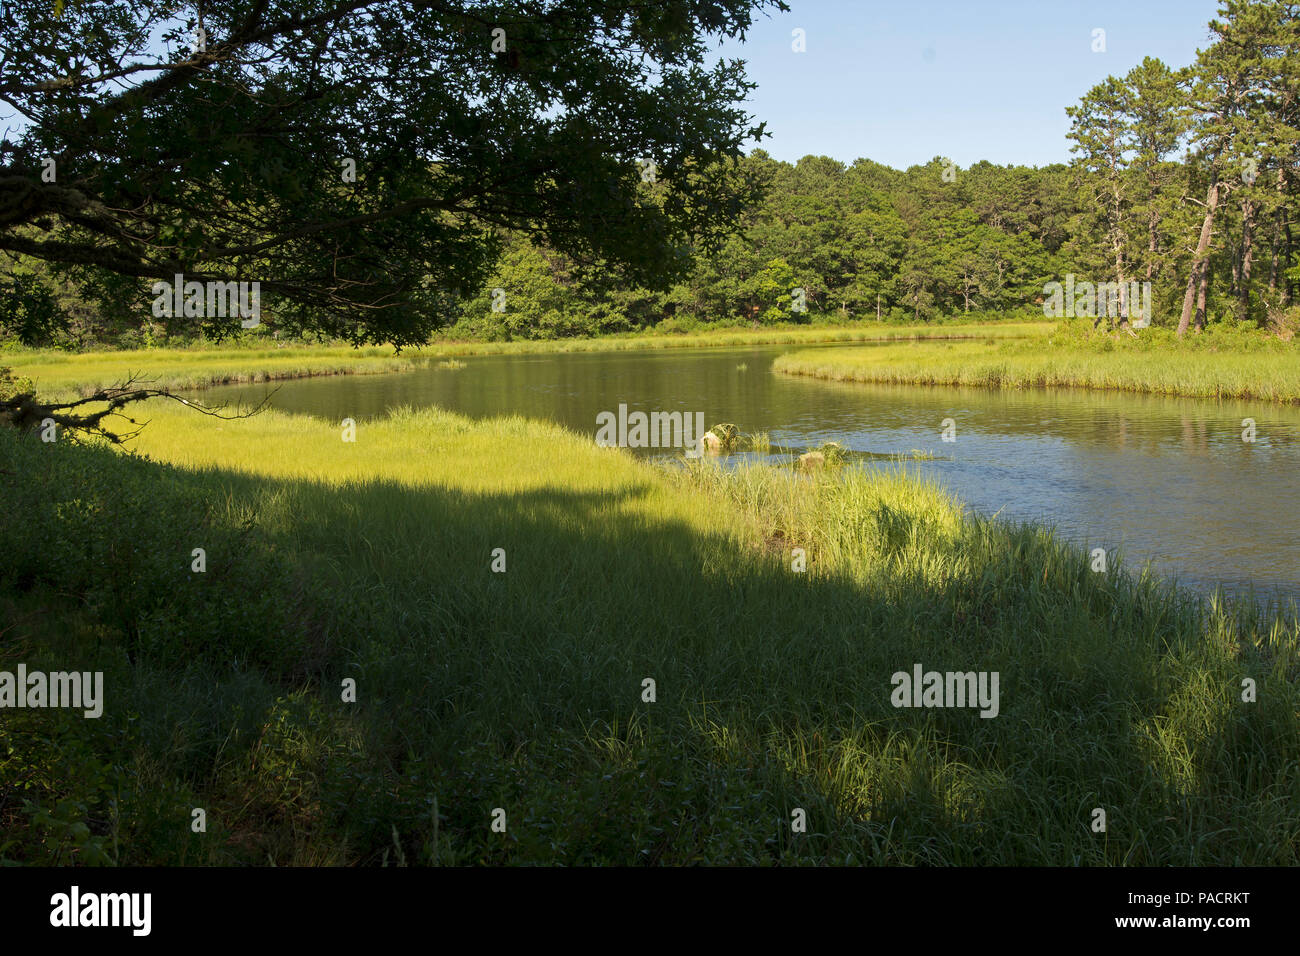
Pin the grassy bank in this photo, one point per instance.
(523, 690)
(58, 372)
(1241, 366)
(864, 331)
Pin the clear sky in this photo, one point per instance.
(903, 81)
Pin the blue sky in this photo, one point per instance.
(906, 80)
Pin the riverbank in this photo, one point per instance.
(517, 679)
(1238, 367)
(58, 372)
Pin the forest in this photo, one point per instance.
(1186, 179)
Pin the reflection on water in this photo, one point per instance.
(1161, 478)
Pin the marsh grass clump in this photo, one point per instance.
(721, 437)
(829, 454)
(833, 453)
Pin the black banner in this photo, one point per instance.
(333, 906)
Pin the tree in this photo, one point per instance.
(1101, 134)
(1155, 110)
(1229, 85)
(875, 243)
(1265, 135)
(357, 157)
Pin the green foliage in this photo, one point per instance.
(131, 582)
(11, 385)
(56, 781)
(366, 212)
(28, 310)
(866, 242)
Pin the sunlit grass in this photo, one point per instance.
(1271, 374)
(83, 372)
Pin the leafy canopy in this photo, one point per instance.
(214, 140)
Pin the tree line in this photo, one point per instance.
(1185, 179)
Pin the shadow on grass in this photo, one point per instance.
(525, 690)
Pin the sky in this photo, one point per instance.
(903, 81)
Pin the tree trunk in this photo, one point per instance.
(1119, 277)
(1234, 286)
(1281, 247)
(1284, 295)
(1202, 294)
(1195, 281)
(1117, 244)
(1277, 254)
(1247, 252)
(1152, 244)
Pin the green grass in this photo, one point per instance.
(522, 690)
(61, 373)
(57, 372)
(862, 331)
(1223, 366)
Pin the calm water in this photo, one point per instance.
(1164, 479)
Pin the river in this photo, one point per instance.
(1169, 480)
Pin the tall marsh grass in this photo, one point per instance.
(372, 561)
(1222, 367)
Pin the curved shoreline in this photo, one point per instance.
(57, 372)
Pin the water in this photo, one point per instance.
(1165, 479)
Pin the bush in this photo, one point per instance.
(85, 523)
